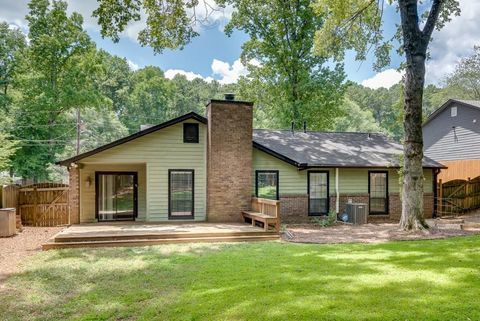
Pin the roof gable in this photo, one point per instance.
(450, 102)
(136, 135)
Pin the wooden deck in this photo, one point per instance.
(143, 234)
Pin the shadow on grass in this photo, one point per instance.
(252, 281)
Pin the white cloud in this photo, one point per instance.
(224, 72)
(228, 73)
(171, 73)
(385, 79)
(453, 42)
(133, 65)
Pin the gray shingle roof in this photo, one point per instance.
(333, 149)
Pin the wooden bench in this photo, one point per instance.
(265, 211)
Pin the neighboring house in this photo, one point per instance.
(206, 169)
(451, 135)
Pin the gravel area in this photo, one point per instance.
(368, 233)
(14, 249)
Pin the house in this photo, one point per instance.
(196, 168)
(451, 135)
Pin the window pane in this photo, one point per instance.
(318, 193)
(181, 193)
(267, 185)
(378, 192)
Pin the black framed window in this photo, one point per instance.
(378, 191)
(318, 193)
(180, 193)
(190, 133)
(266, 184)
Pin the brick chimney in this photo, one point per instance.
(229, 159)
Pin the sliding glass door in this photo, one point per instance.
(116, 196)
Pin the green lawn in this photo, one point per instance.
(423, 280)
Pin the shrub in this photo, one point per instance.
(325, 221)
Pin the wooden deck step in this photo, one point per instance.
(53, 244)
(60, 238)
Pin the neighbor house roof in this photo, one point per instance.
(332, 149)
(141, 133)
(470, 103)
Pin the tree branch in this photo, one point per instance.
(432, 19)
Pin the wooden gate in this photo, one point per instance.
(44, 204)
(458, 196)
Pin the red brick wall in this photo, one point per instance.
(395, 206)
(294, 207)
(229, 160)
(74, 194)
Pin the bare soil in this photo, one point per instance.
(368, 233)
(14, 249)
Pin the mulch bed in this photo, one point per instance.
(14, 249)
(368, 233)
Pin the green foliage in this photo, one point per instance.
(465, 79)
(115, 80)
(192, 95)
(7, 149)
(56, 73)
(357, 25)
(385, 105)
(295, 85)
(356, 119)
(169, 24)
(147, 101)
(325, 221)
(12, 41)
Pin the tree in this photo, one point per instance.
(114, 81)
(11, 42)
(299, 84)
(148, 99)
(356, 119)
(465, 79)
(192, 95)
(169, 24)
(384, 104)
(54, 75)
(7, 150)
(356, 24)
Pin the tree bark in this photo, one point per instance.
(415, 44)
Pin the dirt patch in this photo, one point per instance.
(368, 233)
(14, 249)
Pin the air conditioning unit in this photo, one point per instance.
(357, 213)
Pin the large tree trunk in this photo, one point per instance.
(412, 189)
(415, 44)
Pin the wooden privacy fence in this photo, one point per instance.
(458, 196)
(10, 196)
(44, 204)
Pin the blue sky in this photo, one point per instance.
(214, 55)
(213, 44)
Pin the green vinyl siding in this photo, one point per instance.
(291, 180)
(350, 180)
(158, 152)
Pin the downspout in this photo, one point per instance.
(337, 199)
